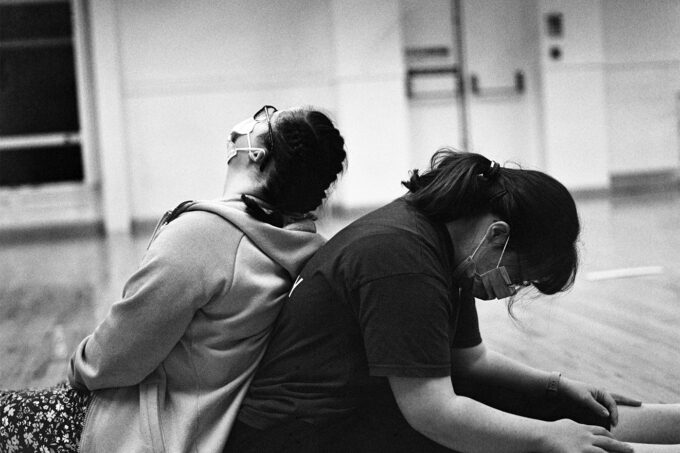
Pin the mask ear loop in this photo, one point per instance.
(255, 154)
(503, 252)
(480, 244)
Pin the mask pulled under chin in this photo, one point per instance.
(494, 284)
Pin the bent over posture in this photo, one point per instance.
(378, 348)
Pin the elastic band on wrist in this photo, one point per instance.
(553, 387)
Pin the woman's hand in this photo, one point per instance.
(598, 400)
(567, 436)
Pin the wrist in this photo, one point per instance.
(552, 388)
(543, 437)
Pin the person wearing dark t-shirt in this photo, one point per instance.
(378, 348)
(380, 288)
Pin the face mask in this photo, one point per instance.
(493, 284)
(246, 127)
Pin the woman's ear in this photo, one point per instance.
(498, 232)
(257, 154)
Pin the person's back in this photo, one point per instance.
(173, 359)
(314, 379)
(168, 366)
(197, 319)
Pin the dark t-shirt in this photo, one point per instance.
(377, 300)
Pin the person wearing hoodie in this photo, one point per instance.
(167, 368)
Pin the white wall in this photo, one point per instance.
(191, 70)
(573, 95)
(171, 77)
(642, 76)
(188, 71)
(371, 101)
(112, 138)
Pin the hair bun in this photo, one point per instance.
(309, 155)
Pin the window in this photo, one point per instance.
(40, 127)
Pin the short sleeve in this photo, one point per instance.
(467, 324)
(405, 323)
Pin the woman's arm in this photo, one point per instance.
(432, 408)
(179, 274)
(492, 368)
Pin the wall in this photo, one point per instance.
(582, 118)
(642, 76)
(371, 102)
(573, 96)
(189, 71)
(192, 70)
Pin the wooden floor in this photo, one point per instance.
(621, 333)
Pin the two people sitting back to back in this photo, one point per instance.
(243, 332)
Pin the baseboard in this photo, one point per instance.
(645, 183)
(51, 232)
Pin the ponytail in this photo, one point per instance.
(539, 209)
(456, 185)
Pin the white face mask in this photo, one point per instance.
(246, 127)
(492, 284)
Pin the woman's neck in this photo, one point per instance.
(467, 233)
(242, 181)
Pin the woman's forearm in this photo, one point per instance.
(432, 408)
(496, 369)
(469, 426)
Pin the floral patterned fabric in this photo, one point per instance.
(42, 420)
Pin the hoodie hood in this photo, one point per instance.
(290, 246)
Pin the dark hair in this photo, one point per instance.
(541, 212)
(308, 155)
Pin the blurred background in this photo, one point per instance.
(112, 112)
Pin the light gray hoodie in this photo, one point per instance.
(171, 362)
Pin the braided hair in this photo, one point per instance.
(308, 156)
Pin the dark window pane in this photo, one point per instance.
(37, 91)
(35, 21)
(40, 165)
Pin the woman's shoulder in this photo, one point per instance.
(204, 222)
(197, 235)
